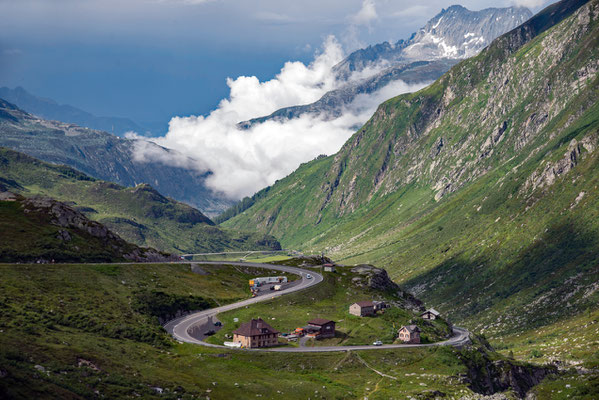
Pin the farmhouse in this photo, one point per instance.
(362, 308)
(431, 313)
(255, 333)
(409, 334)
(365, 308)
(320, 328)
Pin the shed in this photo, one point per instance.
(431, 313)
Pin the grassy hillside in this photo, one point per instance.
(139, 215)
(44, 230)
(478, 192)
(84, 331)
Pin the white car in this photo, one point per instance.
(308, 276)
(377, 343)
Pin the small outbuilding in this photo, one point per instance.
(328, 267)
(362, 308)
(320, 328)
(431, 314)
(256, 333)
(409, 334)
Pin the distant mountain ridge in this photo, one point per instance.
(452, 35)
(50, 109)
(105, 156)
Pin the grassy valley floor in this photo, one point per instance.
(92, 331)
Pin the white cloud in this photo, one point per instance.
(272, 17)
(529, 3)
(413, 11)
(244, 161)
(366, 15)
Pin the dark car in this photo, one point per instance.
(218, 323)
(209, 333)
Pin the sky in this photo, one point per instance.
(203, 65)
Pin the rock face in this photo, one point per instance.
(105, 156)
(378, 279)
(488, 377)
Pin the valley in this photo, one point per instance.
(448, 250)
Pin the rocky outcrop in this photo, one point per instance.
(502, 375)
(378, 279)
(106, 245)
(547, 174)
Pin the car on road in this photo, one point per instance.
(377, 343)
(308, 276)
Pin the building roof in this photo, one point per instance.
(432, 311)
(411, 328)
(319, 321)
(255, 327)
(366, 303)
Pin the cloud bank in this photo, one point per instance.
(244, 161)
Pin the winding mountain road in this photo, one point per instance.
(180, 328)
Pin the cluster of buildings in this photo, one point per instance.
(257, 333)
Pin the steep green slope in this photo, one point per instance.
(139, 215)
(45, 230)
(480, 191)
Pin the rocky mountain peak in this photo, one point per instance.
(454, 33)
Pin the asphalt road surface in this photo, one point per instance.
(182, 328)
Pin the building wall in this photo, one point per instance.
(358, 311)
(355, 309)
(405, 336)
(256, 341)
(327, 331)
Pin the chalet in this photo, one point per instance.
(431, 313)
(362, 308)
(255, 333)
(409, 334)
(320, 328)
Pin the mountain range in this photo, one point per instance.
(452, 35)
(139, 215)
(485, 179)
(107, 157)
(50, 109)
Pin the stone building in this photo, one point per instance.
(256, 333)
